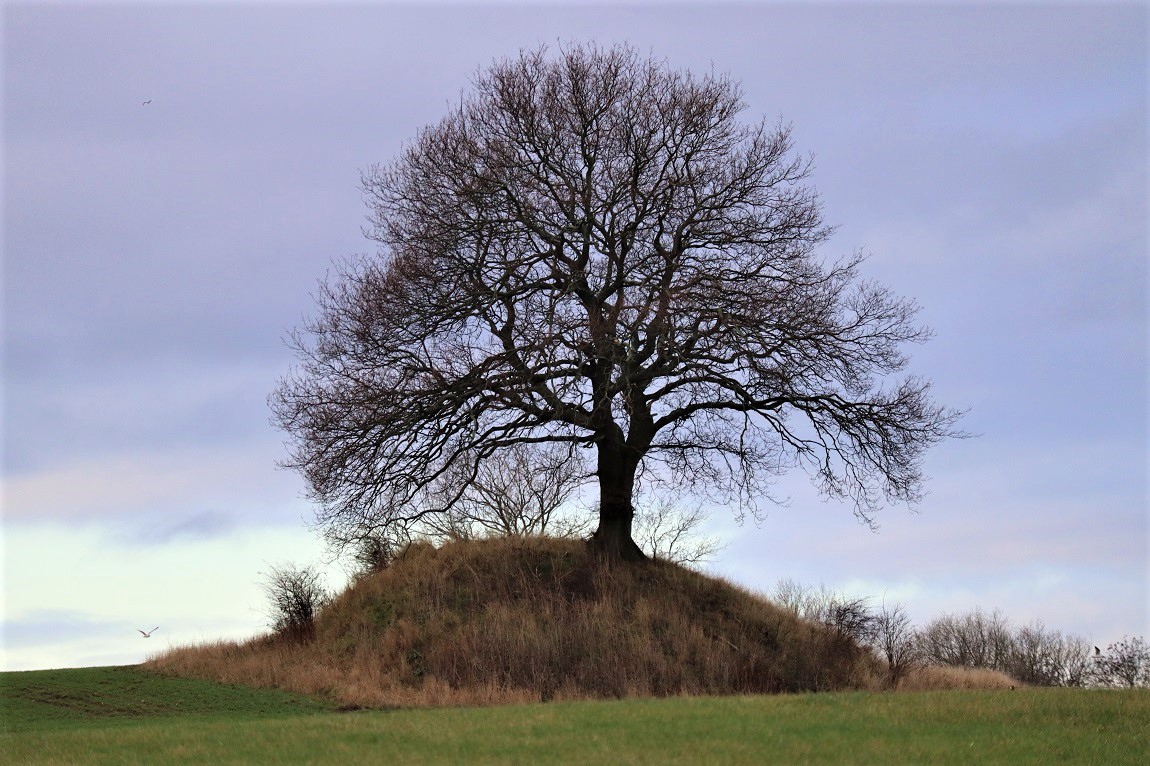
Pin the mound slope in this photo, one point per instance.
(528, 619)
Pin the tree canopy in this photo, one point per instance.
(593, 251)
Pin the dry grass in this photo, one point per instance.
(528, 619)
(936, 678)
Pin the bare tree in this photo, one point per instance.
(1125, 663)
(592, 250)
(519, 490)
(1032, 654)
(895, 640)
(972, 640)
(1043, 657)
(671, 532)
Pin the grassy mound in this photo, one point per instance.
(536, 619)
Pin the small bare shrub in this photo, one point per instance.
(887, 631)
(373, 554)
(373, 551)
(851, 617)
(295, 597)
(848, 616)
(795, 597)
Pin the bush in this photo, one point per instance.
(373, 551)
(846, 616)
(295, 595)
(976, 640)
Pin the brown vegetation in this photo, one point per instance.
(520, 619)
(939, 678)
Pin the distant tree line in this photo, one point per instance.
(1032, 654)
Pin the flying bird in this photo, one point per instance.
(145, 104)
(149, 633)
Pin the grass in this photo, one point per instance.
(124, 715)
(79, 697)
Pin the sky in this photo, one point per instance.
(177, 179)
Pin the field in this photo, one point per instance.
(125, 715)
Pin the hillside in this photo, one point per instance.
(529, 619)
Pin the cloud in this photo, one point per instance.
(148, 404)
(52, 638)
(196, 526)
(62, 624)
(157, 484)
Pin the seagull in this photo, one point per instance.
(145, 104)
(149, 633)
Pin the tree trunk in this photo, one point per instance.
(617, 466)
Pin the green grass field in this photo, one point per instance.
(127, 716)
